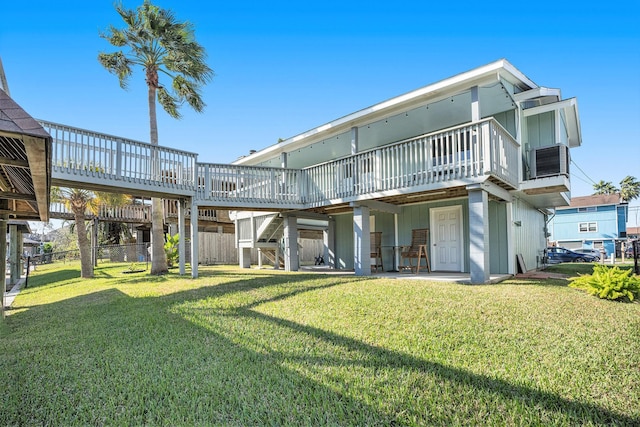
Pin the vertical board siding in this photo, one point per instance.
(529, 239)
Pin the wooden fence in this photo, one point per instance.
(219, 248)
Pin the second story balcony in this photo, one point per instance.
(455, 157)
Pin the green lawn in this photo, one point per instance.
(247, 347)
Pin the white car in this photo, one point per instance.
(594, 252)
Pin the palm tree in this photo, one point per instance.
(629, 188)
(160, 44)
(79, 201)
(603, 187)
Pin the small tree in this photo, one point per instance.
(171, 249)
(79, 201)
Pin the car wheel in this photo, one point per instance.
(581, 260)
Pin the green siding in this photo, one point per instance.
(508, 120)
(541, 130)
(498, 244)
(417, 216)
(344, 241)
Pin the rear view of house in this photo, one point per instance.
(478, 159)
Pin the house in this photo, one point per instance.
(479, 159)
(597, 221)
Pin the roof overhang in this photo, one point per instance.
(25, 163)
(570, 109)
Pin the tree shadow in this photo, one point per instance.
(182, 357)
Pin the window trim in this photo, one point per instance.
(588, 227)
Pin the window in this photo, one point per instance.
(588, 227)
(588, 209)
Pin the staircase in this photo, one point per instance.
(270, 231)
(270, 255)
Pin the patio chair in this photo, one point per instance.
(376, 250)
(417, 250)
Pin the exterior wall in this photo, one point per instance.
(540, 131)
(417, 216)
(442, 114)
(344, 241)
(498, 239)
(566, 222)
(529, 237)
(508, 121)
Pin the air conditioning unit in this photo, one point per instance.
(550, 161)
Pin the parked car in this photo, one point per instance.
(556, 255)
(595, 252)
(629, 251)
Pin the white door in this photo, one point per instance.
(446, 238)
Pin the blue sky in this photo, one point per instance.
(284, 67)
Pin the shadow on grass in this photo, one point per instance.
(157, 359)
(50, 277)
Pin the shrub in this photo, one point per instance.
(171, 248)
(608, 283)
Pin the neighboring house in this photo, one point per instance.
(478, 158)
(597, 221)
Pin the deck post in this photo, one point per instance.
(14, 254)
(194, 239)
(291, 260)
(182, 207)
(479, 236)
(361, 241)
(4, 205)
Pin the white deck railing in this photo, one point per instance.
(249, 184)
(204, 214)
(79, 154)
(469, 152)
(463, 152)
(124, 213)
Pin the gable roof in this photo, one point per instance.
(595, 200)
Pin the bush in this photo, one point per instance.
(608, 283)
(171, 249)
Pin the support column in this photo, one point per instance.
(361, 241)
(194, 239)
(291, 260)
(94, 242)
(4, 204)
(479, 236)
(182, 253)
(329, 240)
(276, 264)
(14, 255)
(396, 243)
(244, 255)
(259, 259)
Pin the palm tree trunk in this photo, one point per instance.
(84, 246)
(158, 256)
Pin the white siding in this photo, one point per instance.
(529, 239)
